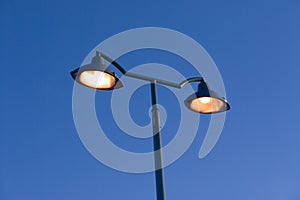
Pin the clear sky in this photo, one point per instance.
(255, 45)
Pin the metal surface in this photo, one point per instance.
(159, 173)
(148, 78)
(151, 79)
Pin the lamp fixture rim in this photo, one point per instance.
(92, 67)
(192, 97)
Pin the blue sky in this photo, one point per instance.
(255, 45)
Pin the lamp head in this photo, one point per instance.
(206, 101)
(97, 75)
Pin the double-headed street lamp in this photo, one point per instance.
(97, 75)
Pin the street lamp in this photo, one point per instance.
(206, 101)
(97, 75)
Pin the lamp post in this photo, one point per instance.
(97, 75)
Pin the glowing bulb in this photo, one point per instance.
(205, 100)
(206, 105)
(97, 79)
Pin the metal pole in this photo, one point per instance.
(159, 173)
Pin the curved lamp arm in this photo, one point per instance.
(148, 78)
(113, 62)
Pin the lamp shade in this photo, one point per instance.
(97, 75)
(206, 101)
